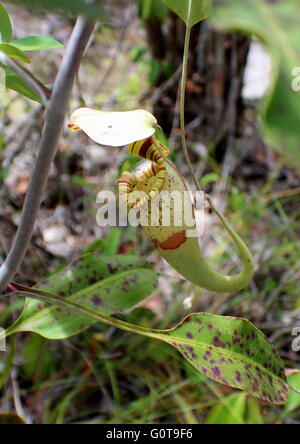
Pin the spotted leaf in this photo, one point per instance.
(109, 284)
(228, 350)
(233, 352)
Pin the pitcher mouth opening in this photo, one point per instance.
(149, 182)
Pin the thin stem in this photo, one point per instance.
(182, 104)
(5, 333)
(244, 250)
(51, 134)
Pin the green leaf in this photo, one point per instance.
(230, 410)
(253, 414)
(35, 359)
(13, 52)
(151, 9)
(191, 11)
(73, 7)
(111, 284)
(209, 178)
(228, 350)
(111, 244)
(235, 409)
(5, 25)
(294, 398)
(36, 43)
(233, 352)
(15, 83)
(276, 24)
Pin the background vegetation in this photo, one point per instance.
(242, 125)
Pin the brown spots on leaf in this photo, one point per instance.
(125, 286)
(282, 399)
(71, 286)
(255, 386)
(264, 394)
(216, 372)
(96, 300)
(260, 373)
(112, 269)
(238, 376)
(189, 335)
(224, 381)
(218, 343)
(174, 241)
(128, 282)
(190, 352)
(207, 355)
(133, 279)
(236, 338)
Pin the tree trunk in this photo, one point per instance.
(217, 61)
